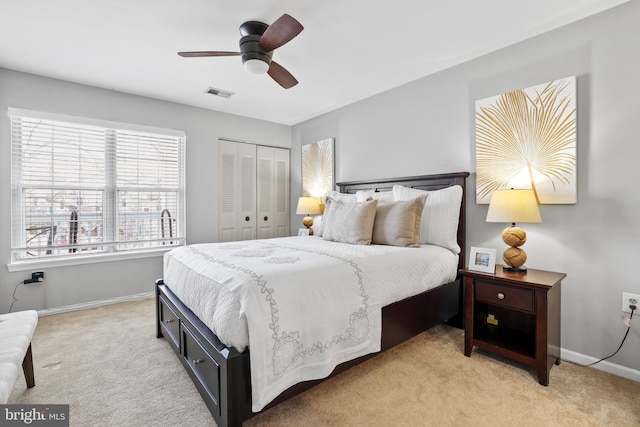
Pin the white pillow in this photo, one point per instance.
(386, 196)
(349, 222)
(335, 195)
(440, 215)
(342, 197)
(398, 222)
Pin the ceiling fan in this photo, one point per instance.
(257, 44)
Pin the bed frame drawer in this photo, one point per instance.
(170, 323)
(202, 364)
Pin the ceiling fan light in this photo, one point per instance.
(256, 66)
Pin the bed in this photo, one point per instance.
(222, 372)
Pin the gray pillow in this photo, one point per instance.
(349, 222)
(383, 196)
(331, 196)
(398, 223)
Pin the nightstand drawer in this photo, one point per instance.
(506, 296)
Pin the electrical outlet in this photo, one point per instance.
(630, 299)
(36, 276)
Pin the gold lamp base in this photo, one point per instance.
(514, 256)
(307, 221)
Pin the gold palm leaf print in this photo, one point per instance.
(317, 168)
(533, 132)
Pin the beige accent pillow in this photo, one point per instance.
(398, 223)
(349, 222)
(440, 215)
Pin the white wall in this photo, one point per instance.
(420, 128)
(427, 127)
(66, 286)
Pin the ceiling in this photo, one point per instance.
(348, 51)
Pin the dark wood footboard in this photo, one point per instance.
(222, 375)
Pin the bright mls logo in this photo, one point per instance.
(35, 415)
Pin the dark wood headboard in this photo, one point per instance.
(424, 182)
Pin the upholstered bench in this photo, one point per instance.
(16, 331)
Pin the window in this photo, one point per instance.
(87, 187)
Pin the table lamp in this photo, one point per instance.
(514, 205)
(308, 206)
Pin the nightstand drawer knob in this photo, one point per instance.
(197, 361)
(500, 295)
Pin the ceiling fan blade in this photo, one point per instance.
(208, 53)
(280, 32)
(281, 76)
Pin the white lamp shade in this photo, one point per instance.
(308, 206)
(514, 205)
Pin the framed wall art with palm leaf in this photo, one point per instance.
(527, 139)
(317, 168)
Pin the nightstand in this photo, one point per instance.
(514, 315)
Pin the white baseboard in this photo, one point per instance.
(612, 368)
(93, 304)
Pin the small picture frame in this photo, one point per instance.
(482, 259)
(303, 231)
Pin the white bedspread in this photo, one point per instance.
(302, 304)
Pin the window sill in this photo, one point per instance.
(88, 259)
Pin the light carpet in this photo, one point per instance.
(107, 364)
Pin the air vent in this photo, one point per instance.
(219, 92)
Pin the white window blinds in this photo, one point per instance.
(86, 187)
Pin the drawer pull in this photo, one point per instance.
(197, 361)
(168, 320)
(500, 295)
